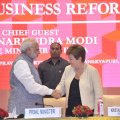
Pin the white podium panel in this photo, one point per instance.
(51, 112)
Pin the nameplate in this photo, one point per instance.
(113, 111)
(51, 112)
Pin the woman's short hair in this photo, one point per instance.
(27, 43)
(77, 51)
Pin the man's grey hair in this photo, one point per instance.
(27, 43)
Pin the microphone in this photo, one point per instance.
(20, 116)
(43, 104)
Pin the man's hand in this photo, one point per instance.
(56, 94)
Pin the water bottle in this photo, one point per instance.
(100, 107)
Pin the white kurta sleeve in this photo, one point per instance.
(24, 75)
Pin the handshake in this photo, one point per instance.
(56, 94)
